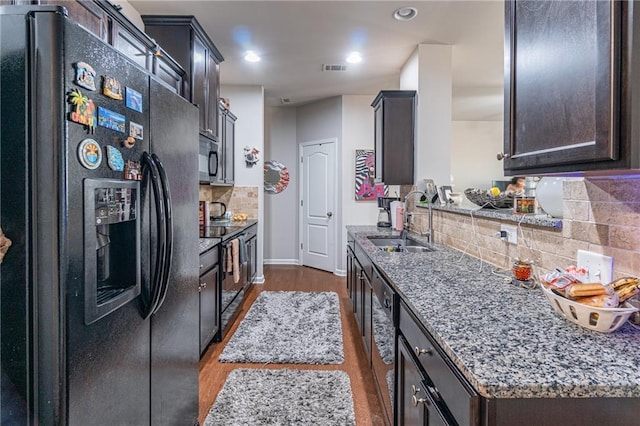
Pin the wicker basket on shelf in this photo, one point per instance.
(481, 198)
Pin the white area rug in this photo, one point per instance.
(283, 397)
(285, 327)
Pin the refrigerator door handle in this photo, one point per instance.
(166, 198)
(160, 255)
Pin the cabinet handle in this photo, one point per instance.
(419, 351)
(502, 156)
(417, 401)
(414, 389)
(434, 392)
(203, 285)
(201, 266)
(387, 304)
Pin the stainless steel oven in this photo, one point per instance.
(384, 337)
(208, 161)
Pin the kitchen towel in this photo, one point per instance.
(242, 246)
(232, 261)
(283, 397)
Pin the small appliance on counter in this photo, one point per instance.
(217, 211)
(384, 216)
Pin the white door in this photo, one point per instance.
(318, 191)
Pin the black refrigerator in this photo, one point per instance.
(99, 194)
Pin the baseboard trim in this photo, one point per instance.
(258, 280)
(281, 262)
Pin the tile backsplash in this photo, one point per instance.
(600, 215)
(239, 199)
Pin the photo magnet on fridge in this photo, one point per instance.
(85, 76)
(111, 120)
(136, 130)
(133, 99)
(111, 88)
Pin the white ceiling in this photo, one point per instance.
(295, 38)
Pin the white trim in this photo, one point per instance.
(340, 272)
(281, 262)
(301, 145)
(258, 280)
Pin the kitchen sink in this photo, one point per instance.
(396, 244)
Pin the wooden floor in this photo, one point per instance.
(298, 278)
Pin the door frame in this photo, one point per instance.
(301, 145)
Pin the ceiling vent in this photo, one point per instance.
(285, 101)
(335, 67)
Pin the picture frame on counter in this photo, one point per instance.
(445, 194)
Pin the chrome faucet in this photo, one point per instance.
(403, 234)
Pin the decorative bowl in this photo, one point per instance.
(482, 199)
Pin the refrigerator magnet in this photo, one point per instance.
(136, 130)
(133, 99)
(114, 159)
(83, 110)
(132, 170)
(90, 154)
(111, 120)
(129, 142)
(85, 76)
(111, 88)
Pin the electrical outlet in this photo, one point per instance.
(512, 233)
(598, 266)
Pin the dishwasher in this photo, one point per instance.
(384, 337)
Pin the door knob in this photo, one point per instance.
(329, 214)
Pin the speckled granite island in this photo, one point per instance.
(509, 344)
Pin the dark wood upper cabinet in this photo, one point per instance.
(394, 116)
(226, 147)
(569, 92)
(188, 43)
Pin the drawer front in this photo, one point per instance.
(450, 389)
(208, 260)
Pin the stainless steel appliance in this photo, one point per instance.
(99, 294)
(383, 347)
(208, 161)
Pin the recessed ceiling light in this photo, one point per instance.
(405, 13)
(354, 58)
(251, 56)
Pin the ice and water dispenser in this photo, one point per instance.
(111, 245)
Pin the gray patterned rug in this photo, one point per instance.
(285, 327)
(283, 397)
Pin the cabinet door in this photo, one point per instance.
(367, 293)
(409, 389)
(358, 274)
(377, 117)
(562, 88)
(209, 315)
(167, 73)
(199, 83)
(229, 147)
(416, 405)
(213, 94)
(86, 13)
(253, 259)
(131, 46)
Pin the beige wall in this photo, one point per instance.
(600, 215)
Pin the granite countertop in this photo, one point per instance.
(541, 220)
(227, 230)
(506, 340)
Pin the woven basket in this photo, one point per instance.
(480, 197)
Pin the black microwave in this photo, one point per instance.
(208, 161)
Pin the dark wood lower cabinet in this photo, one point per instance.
(209, 303)
(415, 405)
